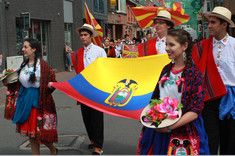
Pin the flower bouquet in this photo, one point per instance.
(161, 113)
(10, 74)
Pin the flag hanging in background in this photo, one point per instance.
(91, 20)
(119, 87)
(144, 14)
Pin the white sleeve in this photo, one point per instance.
(119, 47)
(103, 53)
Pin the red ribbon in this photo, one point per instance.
(179, 81)
(164, 78)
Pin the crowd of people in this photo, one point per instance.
(201, 76)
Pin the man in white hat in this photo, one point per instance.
(157, 45)
(92, 118)
(215, 57)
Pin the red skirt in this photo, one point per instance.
(30, 126)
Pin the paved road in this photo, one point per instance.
(121, 135)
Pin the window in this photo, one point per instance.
(98, 6)
(121, 6)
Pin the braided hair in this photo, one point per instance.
(181, 36)
(33, 43)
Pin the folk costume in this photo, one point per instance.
(152, 47)
(31, 106)
(110, 51)
(188, 139)
(92, 118)
(215, 59)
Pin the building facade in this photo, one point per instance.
(52, 23)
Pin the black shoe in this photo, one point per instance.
(95, 153)
(90, 146)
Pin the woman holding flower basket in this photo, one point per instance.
(180, 89)
(29, 101)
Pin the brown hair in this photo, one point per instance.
(181, 36)
(33, 43)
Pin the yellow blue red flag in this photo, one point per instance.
(91, 20)
(119, 87)
(144, 15)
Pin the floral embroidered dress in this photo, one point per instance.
(189, 139)
(41, 121)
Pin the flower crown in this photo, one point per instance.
(162, 109)
(6, 72)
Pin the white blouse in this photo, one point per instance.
(170, 88)
(25, 74)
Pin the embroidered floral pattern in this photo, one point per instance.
(173, 81)
(47, 122)
(220, 48)
(27, 70)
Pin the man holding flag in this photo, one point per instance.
(92, 118)
(163, 23)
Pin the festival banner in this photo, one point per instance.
(119, 87)
(130, 51)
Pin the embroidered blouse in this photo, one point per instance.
(91, 53)
(224, 56)
(170, 87)
(25, 74)
(161, 45)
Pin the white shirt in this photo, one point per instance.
(161, 45)
(25, 74)
(91, 53)
(224, 56)
(170, 88)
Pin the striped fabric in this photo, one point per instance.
(204, 60)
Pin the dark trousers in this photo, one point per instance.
(94, 123)
(220, 132)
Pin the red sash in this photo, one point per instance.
(204, 60)
(148, 48)
(77, 59)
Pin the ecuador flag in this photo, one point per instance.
(119, 87)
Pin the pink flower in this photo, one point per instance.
(51, 116)
(45, 127)
(39, 118)
(46, 116)
(169, 106)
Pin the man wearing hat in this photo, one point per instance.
(92, 118)
(215, 57)
(157, 45)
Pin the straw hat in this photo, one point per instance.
(12, 77)
(165, 123)
(222, 13)
(164, 15)
(88, 27)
